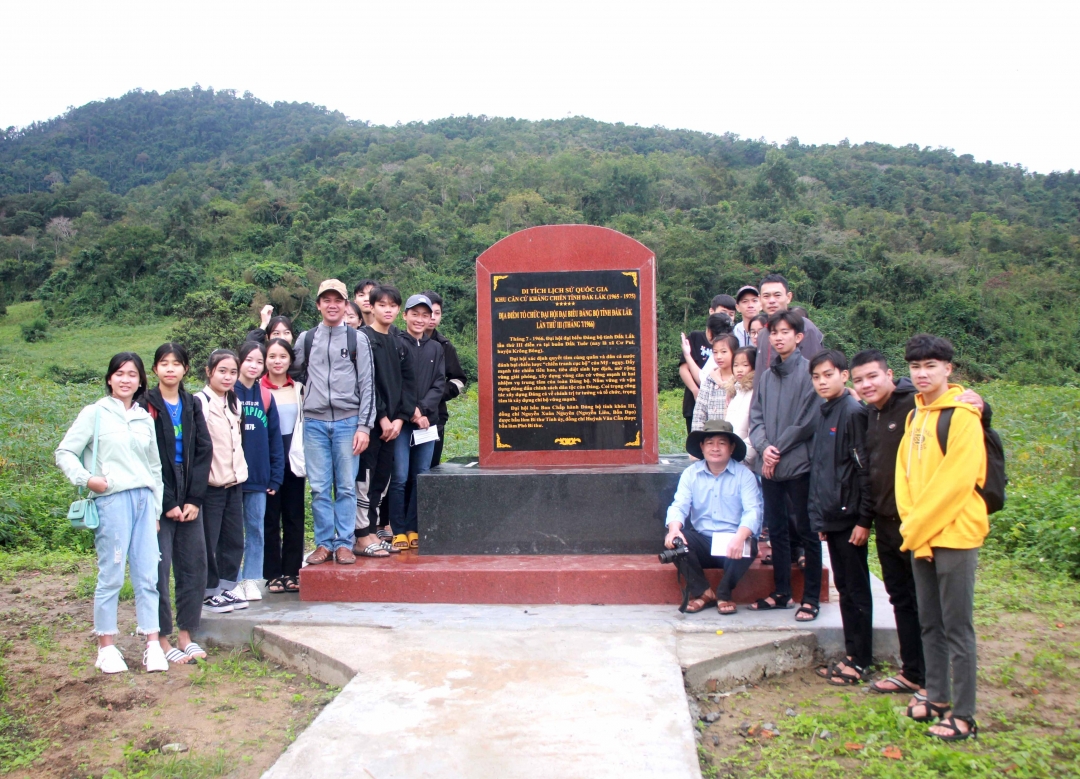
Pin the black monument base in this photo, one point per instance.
(466, 510)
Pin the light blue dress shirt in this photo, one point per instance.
(717, 504)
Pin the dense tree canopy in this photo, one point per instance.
(195, 192)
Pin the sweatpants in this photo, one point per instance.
(852, 577)
(223, 524)
(946, 592)
(692, 565)
(183, 549)
(372, 485)
(777, 497)
(283, 550)
(900, 584)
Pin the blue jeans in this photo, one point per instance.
(254, 534)
(409, 461)
(332, 464)
(127, 533)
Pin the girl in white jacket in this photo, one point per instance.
(740, 395)
(127, 483)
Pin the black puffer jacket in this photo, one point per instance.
(839, 473)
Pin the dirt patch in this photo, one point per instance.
(234, 714)
(1029, 679)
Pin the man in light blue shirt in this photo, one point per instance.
(718, 495)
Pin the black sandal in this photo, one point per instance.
(842, 679)
(933, 711)
(766, 560)
(779, 602)
(829, 670)
(811, 610)
(957, 734)
(291, 584)
(276, 585)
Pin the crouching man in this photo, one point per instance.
(722, 501)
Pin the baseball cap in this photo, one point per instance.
(418, 300)
(333, 285)
(743, 290)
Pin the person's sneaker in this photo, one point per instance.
(110, 661)
(235, 598)
(251, 590)
(154, 658)
(217, 605)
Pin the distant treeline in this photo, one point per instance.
(205, 205)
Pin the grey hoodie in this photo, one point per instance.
(334, 389)
(784, 413)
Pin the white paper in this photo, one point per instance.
(420, 436)
(721, 542)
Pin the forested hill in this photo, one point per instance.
(239, 202)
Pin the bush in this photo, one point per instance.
(80, 375)
(37, 330)
(1040, 527)
(210, 322)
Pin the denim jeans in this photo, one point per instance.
(331, 464)
(409, 461)
(254, 534)
(127, 533)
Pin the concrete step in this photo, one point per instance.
(510, 579)
(733, 657)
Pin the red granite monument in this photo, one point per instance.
(567, 349)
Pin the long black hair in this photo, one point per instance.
(279, 320)
(173, 349)
(117, 362)
(217, 357)
(284, 345)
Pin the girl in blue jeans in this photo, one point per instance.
(265, 456)
(126, 478)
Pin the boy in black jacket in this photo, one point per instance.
(455, 376)
(410, 458)
(841, 509)
(395, 392)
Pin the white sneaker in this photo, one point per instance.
(153, 658)
(235, 598)
(251, 589)
(110, 661)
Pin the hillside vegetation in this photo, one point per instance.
(203, 205)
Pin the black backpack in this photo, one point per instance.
(993, 492)
(350, 343)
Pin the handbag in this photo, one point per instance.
(83, 513)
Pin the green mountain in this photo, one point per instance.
(203, 205)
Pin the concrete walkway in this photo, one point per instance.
(438, 690)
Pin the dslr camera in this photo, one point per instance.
(671, 555)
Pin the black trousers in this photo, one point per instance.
(852, 577)
(378, 511)
(436, 456)
(896, 572)
(223, 526)
(283, 531)
(689, 424)
(183, 549)
(692, 565)
(777, 497)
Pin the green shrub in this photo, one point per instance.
(79, 375)
(37, 330)
(1040, 527)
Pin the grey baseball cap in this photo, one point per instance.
(743, 290)
(418, 300)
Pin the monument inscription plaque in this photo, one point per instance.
(567, 349)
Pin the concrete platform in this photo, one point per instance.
(500, 704)
(502, 579)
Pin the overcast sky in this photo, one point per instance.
(994, 79)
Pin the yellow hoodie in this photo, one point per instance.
(935, 494)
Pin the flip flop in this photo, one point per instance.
(372, 550)
(414, 540)
(177, 657)
(401, 542)
(194, 651)
(897, 683)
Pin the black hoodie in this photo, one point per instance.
(198, 450)
(429, 374)
(839, 478)
(453, 372)
(884, 429)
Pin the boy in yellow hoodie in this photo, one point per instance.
(943, 524)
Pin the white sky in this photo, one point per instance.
(989, 78)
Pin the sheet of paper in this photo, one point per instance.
(721, 541)
(423, 436)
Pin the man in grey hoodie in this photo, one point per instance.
(782, 419)
(336, 368)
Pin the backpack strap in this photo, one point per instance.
(350, 343)
(265, 397)
(152, 410)
(307, 347)
(944, 421)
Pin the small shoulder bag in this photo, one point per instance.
(83, 513)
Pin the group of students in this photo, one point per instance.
(211, 485)
(906, 457)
